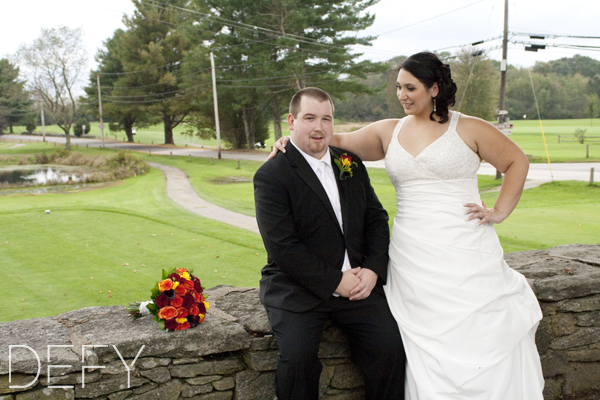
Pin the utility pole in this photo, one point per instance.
(503, 66)
(100, 108)
(214, 82)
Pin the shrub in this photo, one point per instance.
(77, 127)
(580, 134)
(41, 159)
(30, 126)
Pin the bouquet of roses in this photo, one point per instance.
(178, 301)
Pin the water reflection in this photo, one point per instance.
(42, 176)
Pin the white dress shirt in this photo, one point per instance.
(324, 171)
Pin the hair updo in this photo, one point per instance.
(428, 69)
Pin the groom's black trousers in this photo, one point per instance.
(375, 344)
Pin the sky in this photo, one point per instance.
(403, 27)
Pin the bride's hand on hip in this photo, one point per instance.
(279, 145)
(483, 213)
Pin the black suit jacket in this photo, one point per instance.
(302, 236)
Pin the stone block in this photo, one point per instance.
(47, 394)
(191, 391)
(262, 360)
(587, 319)
(17, 380)
(181, 361)
(75, 378)
(145, 388)
(553, 388)
(582, 377)
(6, 397)
(152, 362)
(215, 396)
(120, 395)
(245, 306)
(158, 375)
(224, 366)
(563, 324)
(224, 384)
(203, 380)
(167, 391)
(358, 394)
(590, 303)
(544, 336)
(263, 343)
(554, 363)
(110, 384)
(584, 355)
(334, 350)
(252, 385)
(582, 337)
(347, 376)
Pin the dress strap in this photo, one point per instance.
(453, 121)
(397, 128)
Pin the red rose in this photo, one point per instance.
(194, 310)
(202, 308)
(180, 290)
(193, 320)
(162, 301)
(182, 313)
(167, 312)
(180, 327)
(197, 286)
(177, 302)
(189, 285)
(346, 157)
(188, 300)
(171, 324)
(176, 277)
(196, 296)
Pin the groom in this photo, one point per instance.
(326, 236)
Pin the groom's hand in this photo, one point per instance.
(368, 280)
(349, 281)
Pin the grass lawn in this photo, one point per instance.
(108, 246)
(96, 241)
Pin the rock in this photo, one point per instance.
(180, 361)
(203, 380)
(120, 395)
(588, 318)
(553, 388)
(582, 337)
(544, 335)
(263, 343)
(224, 384)
(252, 385)
(215, 367)
(158, 375)
(347, 376)
(17, 380)
(554, 363)
(190, 391)
(167, 391)
(591, 303)
(563, 324)
(110, 384)
(582, 377)
(47, 394)
(214, 396)
(75, 378)
(245, 305)
(262, 360)
(584, 355)
(152, 362)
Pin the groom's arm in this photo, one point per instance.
(278, 230)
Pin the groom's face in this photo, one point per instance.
(312, 129)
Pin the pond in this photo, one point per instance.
(40, 176)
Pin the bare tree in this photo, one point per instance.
(54, 63)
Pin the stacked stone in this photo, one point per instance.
(566, 281)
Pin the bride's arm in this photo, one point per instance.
(501, 152)
(369, 143)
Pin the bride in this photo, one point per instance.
(467, 320)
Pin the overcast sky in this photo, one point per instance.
(404, 27)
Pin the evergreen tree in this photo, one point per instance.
(15, 105)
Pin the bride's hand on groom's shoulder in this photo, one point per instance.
(279, 145)
(368, 280)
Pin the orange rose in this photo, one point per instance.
(177, 302)
(181, 270)
(165, 285)
(196, 296)
(194, 310)
(180, 290)
(167, 312)
(183, 326)
(189, 285)
(182, 313)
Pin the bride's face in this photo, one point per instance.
(413, 94)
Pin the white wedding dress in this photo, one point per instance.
(467, 319)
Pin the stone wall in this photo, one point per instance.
(233, 354)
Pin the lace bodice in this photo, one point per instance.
(448, 157)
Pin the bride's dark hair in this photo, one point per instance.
(428, 69)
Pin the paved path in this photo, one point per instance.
(181, 192)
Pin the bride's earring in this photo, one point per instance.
(434, 109)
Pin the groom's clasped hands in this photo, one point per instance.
(357, 283)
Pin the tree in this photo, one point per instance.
(117, 107)
(55, 63)
(276, 47)
(477, 84)
(593, 105)
(15, 105)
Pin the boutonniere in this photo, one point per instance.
(345, 164)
